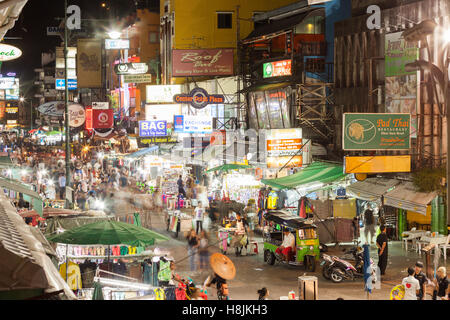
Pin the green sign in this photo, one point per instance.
(376, 131)
(277, 68)
(398, 53)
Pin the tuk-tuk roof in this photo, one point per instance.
(286, 219)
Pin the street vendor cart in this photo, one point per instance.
(307, 246)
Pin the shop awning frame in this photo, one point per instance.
(20, 187)
(372, 189)
(406, 196)
(317, 172)
(142, 153)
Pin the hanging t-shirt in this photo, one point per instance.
(159, 293)
(73, 275)
(272, 200)
(164, 271)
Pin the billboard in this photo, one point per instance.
(162, 93)
(376, 131)
(89, 63)
(283, 146)
(402, 87)
(9, 82)
(193, 124)
(277, 68)
(155, 128)
(102, 119)
(116, 44)
(202, 62)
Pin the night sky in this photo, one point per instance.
(32, 25)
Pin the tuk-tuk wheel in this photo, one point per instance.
(269, 257)
(310, 264)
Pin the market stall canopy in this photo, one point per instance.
(286, 219)
(316, 172)
(25, 268)
(20, 187)
(5, 162)
(109, 233)
(371, 189)
(227, 167)
(142, 153)
(405, 196)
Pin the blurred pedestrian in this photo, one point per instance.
(382, 244)
(369, 225)
(203, 250)
(193, 245)
(199, 213)
(263, 294)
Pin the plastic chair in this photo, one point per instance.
(406, 239)
(421, 242)
(445, 246)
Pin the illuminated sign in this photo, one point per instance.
(199, 98)
(202, 62)
(12, 109)
(152, 128)
(89, 119)
(131, 68)
(284, 146)
(162, 93)
(8, 52)
(378, 164)
(193, 124)
(113, 44)
(277, 69)
(9, 82)
(60, 84)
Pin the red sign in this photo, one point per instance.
(89, 119)
(103, 119)
(202, 62)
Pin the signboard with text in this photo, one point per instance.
(193, 124)
(137, 78)
(116, 44)
(162, 93)
(130, 68)
(60, 84)
(284, 146)
(103, 119)
(202, 62)
(199, 98)
(277, 69)
(376, 131)
(155, 128)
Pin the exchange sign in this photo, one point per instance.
(376, 131)
(155, 128)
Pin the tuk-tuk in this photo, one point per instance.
(307, 250)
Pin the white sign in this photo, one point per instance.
(162, 93)
(8, 82)
(137, 78)
(113, 44)
(76, 115)
(196, 124)
(8, 52)
(53, 108)
(74, 20)
(100, 105)
(162, 111)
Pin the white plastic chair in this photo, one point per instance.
(406, 239)
(421, 242)
(445, 246)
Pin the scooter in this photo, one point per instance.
(337, 269)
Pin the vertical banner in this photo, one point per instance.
(402, 87)
(89, 63)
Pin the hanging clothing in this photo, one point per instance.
(87, 270)
(164, 271)
(180, 293)
(272, 200)
(123, 250)
(170, 293)
(147, 271)
(73, 275)
(116, 251)
(159, 293)
(154, 274)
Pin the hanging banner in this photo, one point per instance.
(202, 62)
(283, 146)
(89, 63)
(402, 87)
(103, 119)
(376, 131)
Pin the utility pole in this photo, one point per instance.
(66, 111)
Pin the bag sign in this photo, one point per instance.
(157, 128)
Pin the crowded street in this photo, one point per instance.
(257, 150)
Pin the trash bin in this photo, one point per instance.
(308, 288)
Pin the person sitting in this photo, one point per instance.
(287, 247)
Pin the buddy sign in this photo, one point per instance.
(199, 98)
(152, 128)
(8, 52)
(376, 131)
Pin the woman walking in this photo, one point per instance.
(193, 245)
(203, 251)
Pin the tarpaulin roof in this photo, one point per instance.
(142, 153)
(226, 167)
(316, 172)
(405, 196)
(288, 220)
(20, 187)
(371, 189)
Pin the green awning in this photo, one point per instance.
(316, 172)
(231, 166)
(20, 187)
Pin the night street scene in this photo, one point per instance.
(248, 151)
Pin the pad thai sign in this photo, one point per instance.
(202, 62)
(376, 131)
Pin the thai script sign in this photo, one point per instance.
(202, 62)
(277, 69)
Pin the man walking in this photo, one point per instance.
(62, 186)
(369, 225)
(382, 244)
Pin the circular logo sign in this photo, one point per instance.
(103, 117)
(8, 52)
(360, 131)
(200, 98)
(122, 67)
(76, 115)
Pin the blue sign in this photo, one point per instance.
(178, 123)
(155, 128)
(60, 84)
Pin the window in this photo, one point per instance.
(153, 37)
(224, 20)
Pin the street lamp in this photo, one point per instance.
(114, 34)
(420, 32)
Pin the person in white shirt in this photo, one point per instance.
(287, 246)
(199, 212)
(411, 284)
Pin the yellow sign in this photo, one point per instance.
(378, 164)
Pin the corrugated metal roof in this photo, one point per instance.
(405, 196)
(371, 189)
